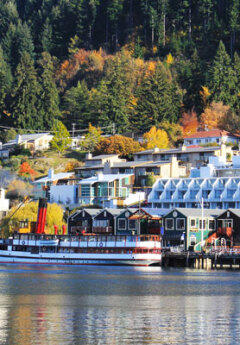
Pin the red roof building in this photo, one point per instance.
(211, 136)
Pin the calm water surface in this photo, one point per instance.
(118, 305)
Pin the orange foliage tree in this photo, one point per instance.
(117, 144)
(26, 170)
(189, 123)
(214, 116)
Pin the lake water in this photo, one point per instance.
(118, 305)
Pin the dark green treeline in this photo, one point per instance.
(37, 36)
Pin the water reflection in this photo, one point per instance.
(118, 306)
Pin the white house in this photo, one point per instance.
(216, 136)
(33, 142)
(4, 203)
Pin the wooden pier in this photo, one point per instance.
(211, 260)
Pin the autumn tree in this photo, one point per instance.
(214, 115)
(173, 130)
(189, 123)
(61, 139)
(156, 138)
(30, 211)
(118, 144)
(18, 189)
(92, 138)
(25, 170)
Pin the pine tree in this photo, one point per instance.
(222, 77)
(157, 100)
(25, 95)
(49, 98)
(76, 105)
(5, 85)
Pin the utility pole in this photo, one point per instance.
(73, 132)
(113, 128)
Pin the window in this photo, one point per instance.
(169, 224)
(193, 223)
(132, 224)
(211, 224)
(204, 224)
(122, 224)
(180, 223)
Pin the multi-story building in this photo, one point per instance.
(194, 156)
(110, 190)
(217, 185)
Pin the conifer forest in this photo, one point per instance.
(134, 63)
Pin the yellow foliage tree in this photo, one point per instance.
(213, 115)
(205, 93)
(170, 59)
(30, 211)
(156, 138)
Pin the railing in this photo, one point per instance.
(101, 229)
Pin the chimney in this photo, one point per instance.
(41, 218)
(173, 166)
(99, 175)
(50, 173)
(88, 155)
(18, 139)
(183, 147)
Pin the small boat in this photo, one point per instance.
(142, 250)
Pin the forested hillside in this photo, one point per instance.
(135, 63)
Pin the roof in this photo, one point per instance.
(27, 137)
(55, 177)
(102, 157)
(197, 212)
(236, 211)
(210, 134)
(113, 211)
(180, 150)
(91, 211)
(104, 178)
(153, 213)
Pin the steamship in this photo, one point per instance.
(36, 247)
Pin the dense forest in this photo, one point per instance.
(134, 63)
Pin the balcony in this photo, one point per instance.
(102, 229)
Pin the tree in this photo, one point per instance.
(61, 139)
(76, 105)
(19, 189)
(158, 99)
(25, 95)
(156, 138)
(222, 77)
(117, 144)
(173, 130)
(49, 98)
(26, 170)
(213, 115)
(92, 138)
(30, 211)
(189, 122)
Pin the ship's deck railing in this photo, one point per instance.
(86, 240)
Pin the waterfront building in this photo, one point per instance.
(82, 221)
(105, 221)
(4, 203)
(189, 227)
(217, 184)
(125, 225)
(228, 227)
